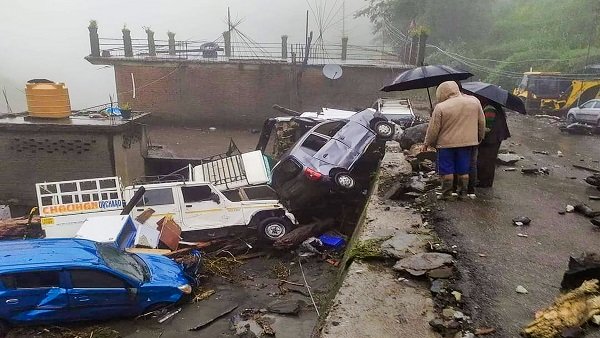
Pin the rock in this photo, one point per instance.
(593, 180)
(521, 220)
(457, 295)
(594, 197)
(559, 153)
(468, 335)
(448, 313)
(400, 246)
(413, 135)
(286, 307)
(443, 272)
(508, 159)
(595, 221)
(419, 264)
(585, 210)
(596, 320)
(572, 332)
(438, 286)
(520, 289)
(245, 328)
(582, 268)
(569, 208)
(510, 169)
(541, 152)
(459, 315)
(562, 212)
(437, 325)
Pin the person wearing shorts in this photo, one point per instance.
(456, 126)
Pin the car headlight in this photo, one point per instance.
(185, 288)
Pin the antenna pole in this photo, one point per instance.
(306, 34)
(344, 18)
(228, 21)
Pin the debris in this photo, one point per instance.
(510, 169)
(300, 234)
(541, 152)
(333, 242)
(595, 221)
(482, 255)
(286, 307)
(582, 268)
(482, 331)
(559, 153)
(520, 289)
(413, 135)
(577, 128)
(594, 197)
(569, 208)
(308, 287)
(169, 315)
(170, 232)
(585, 210)
(367, 249)
(508, 159)
(333, 262)
(422, 263)
(203, 295)
(212, 128)
(535, 171)
(593, 180)
(596, 320)
(313, 245)
(586, 168)
(210, 321)
(145, 215)
(457, 295)
(522, 235)
(448, 312)
(544, 116)
(521, 220)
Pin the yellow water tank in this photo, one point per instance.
(47, 99)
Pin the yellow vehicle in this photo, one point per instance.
(552, 92)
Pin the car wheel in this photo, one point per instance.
(273, 228)
(384, 129)
(344, 180)
(570, 119)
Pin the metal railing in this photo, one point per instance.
(260, 52)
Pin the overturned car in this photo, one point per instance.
(324, 162)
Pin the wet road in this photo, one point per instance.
(484, 226)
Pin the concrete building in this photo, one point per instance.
(79, 147)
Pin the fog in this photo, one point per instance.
(49, 39)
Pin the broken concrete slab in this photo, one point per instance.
(420, 264)
(508, 159)
(286, 307)
(401, 246)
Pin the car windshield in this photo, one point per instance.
(126, 263)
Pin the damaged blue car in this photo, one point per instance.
(63, 280)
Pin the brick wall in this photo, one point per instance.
(240, 95)
(29, 158)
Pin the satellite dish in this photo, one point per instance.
(332, 71)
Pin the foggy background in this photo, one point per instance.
(49, 39)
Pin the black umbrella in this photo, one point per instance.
(425, 77)
(496, 94)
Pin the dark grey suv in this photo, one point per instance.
(322, 162)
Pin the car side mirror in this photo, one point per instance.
(215, 198)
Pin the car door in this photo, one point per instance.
(97, 294)
(203, 208)
(34, 296)
(162, 200)
(586, 113)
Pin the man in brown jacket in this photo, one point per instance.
(456, 126)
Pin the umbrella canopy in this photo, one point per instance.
(496, 94)
(425, 77)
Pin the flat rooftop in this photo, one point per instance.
(18, 122)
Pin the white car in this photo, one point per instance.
(588, 113)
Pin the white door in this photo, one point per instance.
(162, 200)
(202, 208)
